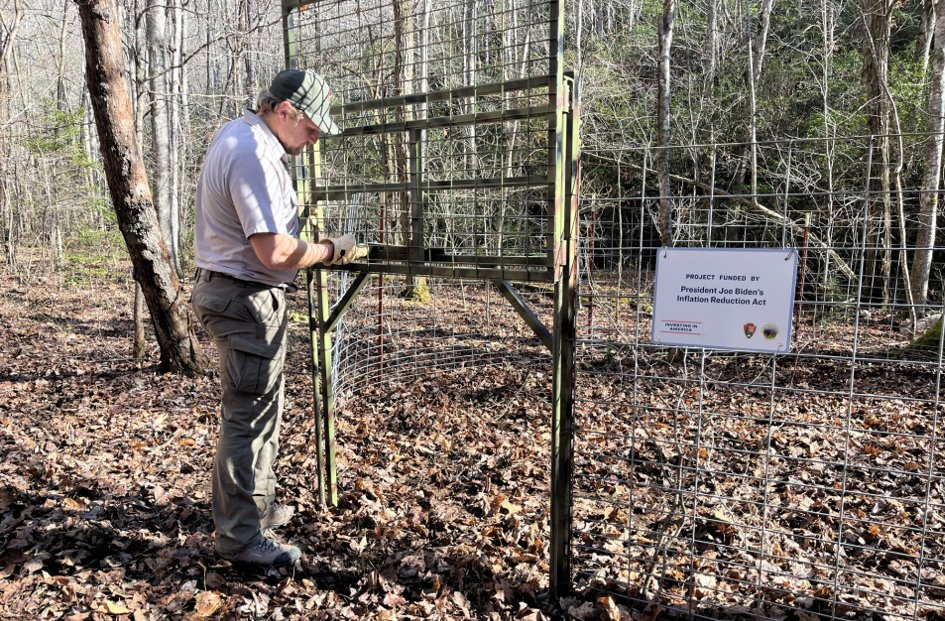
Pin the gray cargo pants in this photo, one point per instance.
(248, 323)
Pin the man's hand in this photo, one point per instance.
(347, 249)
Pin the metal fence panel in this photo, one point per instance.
(452, 126)
(718, 484)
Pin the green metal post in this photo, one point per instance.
(289, 34)
(415, 142)
(312, 218)
(323, 387)
(563, 375)
(328, 486)
(556, 133)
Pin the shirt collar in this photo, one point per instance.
(253, 120)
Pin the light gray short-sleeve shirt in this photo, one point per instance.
(244, 188)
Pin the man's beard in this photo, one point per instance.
(292, 151)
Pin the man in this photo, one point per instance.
(248, 254)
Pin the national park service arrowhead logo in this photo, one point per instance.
(749, 329)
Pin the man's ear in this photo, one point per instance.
(284, 109)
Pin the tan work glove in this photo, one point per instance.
(347, 249)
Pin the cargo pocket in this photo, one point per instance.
(254, 366)
(207, 305)
(263, 305)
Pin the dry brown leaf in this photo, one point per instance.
(585, 611)
(393, 600)
(460, 600)
(71, 504)
(510, 507)
(116, 608)
(207, 603)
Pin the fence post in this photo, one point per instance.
(305, 170)
(562, 432)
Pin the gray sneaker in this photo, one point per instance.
(278, 515)
(268, 553)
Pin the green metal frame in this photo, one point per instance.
(563, 348)
(317, 294)
(558, 266)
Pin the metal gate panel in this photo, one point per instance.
(453, 128)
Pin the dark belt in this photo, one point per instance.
(209, 275)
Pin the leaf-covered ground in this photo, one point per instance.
(716, 488)
(104, 486)
(733, 485)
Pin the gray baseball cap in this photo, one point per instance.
(309, 92)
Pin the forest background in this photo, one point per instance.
(717, 78)
(650, 74)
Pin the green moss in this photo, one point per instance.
(418, 291)
(927, 341)
(297, 316)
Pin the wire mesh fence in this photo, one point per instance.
(450, 119)
(707, 483)
(724, 484)
(465, 324)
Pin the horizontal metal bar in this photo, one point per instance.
(447, 271)
(386, 252)
(464, 92)
(512, 114)
(342, 192)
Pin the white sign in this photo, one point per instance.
(722, 298)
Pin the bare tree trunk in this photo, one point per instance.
(51, 224)
(138, 340)
(61, 69)
(93, 189)
(757, 46)
(7, 217)
(923, 42)
(711, 47)
(156, 19)
(932, 176)
(760, 43)
(877, 20)
(513, 68)
(403, 84)
(128, 186)
(233, 86)
(8, 36)
(421, 287)
(139, 70)
(424, 58)
(828, 26)
(175, 83)
(19, 168)
(521, 63)
(407, 149)
(470, 73)
(663, 114)
(208, 79)
(249, 65)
